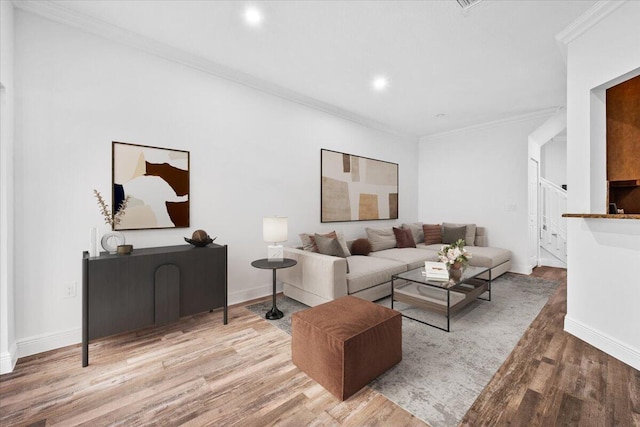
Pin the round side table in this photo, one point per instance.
(264, 263)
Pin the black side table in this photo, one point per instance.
(274, 313)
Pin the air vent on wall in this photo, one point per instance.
(466, 4)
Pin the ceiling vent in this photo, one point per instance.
(467, 4)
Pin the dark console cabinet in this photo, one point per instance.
(151, 286)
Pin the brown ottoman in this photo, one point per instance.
(346, 343)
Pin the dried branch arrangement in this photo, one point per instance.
(110, 218)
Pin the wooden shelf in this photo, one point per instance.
(601, 216)
(627, 183)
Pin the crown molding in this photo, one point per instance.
(541, 114)
(591, 17)
(67, 16)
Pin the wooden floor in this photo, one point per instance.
(199, 372)
(554, 379)
(196, 372)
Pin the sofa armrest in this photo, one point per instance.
(318, 274)
(481, 237)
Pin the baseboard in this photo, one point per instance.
(520, 269)
(251, 294)
(47, 342)
(611, 346)
(552, 262)
(52, 341)
(8, 359)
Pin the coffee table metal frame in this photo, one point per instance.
(473, 289)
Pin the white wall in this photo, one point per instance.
(554, 160)
(480, 177)
(8, 350)
(604, 254)
(252, 155)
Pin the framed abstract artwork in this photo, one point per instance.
(154, 182)
(355, 188)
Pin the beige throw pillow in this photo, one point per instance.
(381, 238)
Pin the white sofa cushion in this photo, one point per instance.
(480, 256)
(488, 257)
(412, 257)
(367, 271)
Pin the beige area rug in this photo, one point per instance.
(442, 373)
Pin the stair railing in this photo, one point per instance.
(553, 227)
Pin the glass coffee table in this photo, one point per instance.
(446, 297)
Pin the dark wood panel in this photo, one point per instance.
(623, 131)
(167, 294)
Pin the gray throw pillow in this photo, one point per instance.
(381, 238)
(470, 235)
(453, 234)
(330, 246)
(416, 230)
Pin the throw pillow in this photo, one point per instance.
(309, 242)
(381, 238)
(361, 247)
(330, 246)
(432, 234)
(404, 237)
(453, 234)
(416, 230)
(343, 243)
(470, 235)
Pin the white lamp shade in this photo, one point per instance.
(274, 229)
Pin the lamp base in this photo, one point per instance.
(275, 253)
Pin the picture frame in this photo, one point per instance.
(154, 182)
(357, 188)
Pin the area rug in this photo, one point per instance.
(442, 373)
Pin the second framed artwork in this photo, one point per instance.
(154, 182)
(355, 188)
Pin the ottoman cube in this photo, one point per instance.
(346, 343)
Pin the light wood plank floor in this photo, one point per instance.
(196, 372)
(199, 372)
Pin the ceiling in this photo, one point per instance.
(497, 60)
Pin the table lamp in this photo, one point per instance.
(274, 230)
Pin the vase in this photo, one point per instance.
(111, 240)
(455, 271)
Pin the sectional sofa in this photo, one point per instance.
(318, 278)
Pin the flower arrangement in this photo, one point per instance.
(109, 218)
(454, 254)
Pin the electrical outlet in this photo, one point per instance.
(69, 290)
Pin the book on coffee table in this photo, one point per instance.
(436, 270)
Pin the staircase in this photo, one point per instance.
(553, 227)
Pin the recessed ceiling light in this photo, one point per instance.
(380, 83)
(253, 16)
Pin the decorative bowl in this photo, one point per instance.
(200, 244)
(124, 249)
